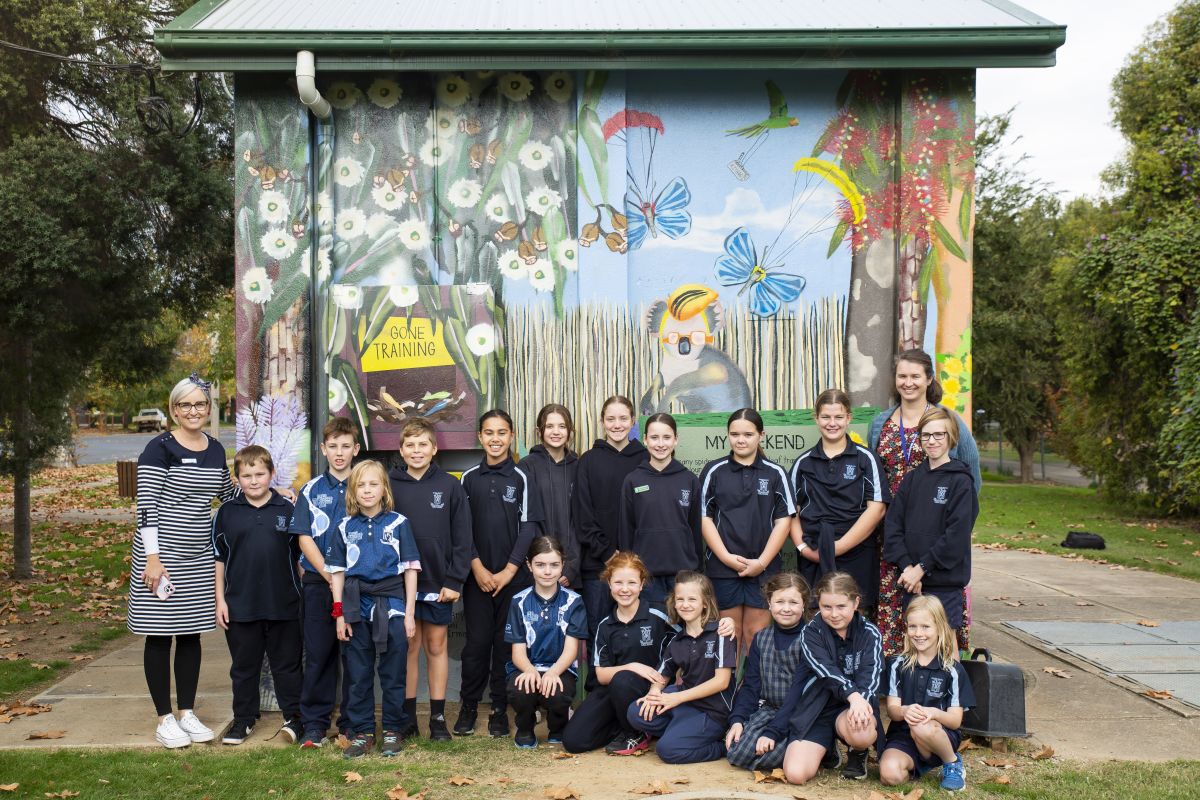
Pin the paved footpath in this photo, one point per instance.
(1086, 716)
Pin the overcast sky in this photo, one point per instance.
(1063, 113)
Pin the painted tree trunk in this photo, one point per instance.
(953, 285)
(870, 308)
(910, 321)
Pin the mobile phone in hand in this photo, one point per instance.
(165, 588)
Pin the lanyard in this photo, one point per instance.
(905, 444)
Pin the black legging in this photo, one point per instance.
(157, 661)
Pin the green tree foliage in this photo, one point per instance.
(107, 221)
(1016, 372)
(1129, 316)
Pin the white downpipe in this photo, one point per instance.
(306, 84)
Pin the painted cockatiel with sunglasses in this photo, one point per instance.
(691, 370)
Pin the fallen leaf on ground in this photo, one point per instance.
(654, 787)
(915, 794)
(1041, 755)
(9, 787)
(460, 780)
(503, 780)
(561, 793)
(398, 792)
(1159, 694)
(1001, 779)
(682, 781)
(64, 793)
(766, 777)
(967, 744)
(1013, 603)
(1084, 603)
(352, 777)
(82, 658)
(35, 665)
(560, 755)
(999, 763)
(46, 735)
(342, 742)
(1147, 623)
(1056, 672)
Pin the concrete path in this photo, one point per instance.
(1087, 716)
(1056, 472)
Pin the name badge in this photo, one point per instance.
(187, 461)
(640, 489)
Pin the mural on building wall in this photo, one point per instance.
(697, 242)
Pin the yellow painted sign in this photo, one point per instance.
(407, 344)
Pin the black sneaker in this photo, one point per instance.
(238, 731)
(856, 765)
(360, 745)
(293, 730)
(832, 758)
(524, 739)
(312, 739)
(465, 724)
(437, 729)
(498, 723)
(632, 745)
(408, 731)
(391, 744)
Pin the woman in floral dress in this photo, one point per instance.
(893, 435)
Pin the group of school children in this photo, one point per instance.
(624, 556)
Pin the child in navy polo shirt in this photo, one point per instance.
(505, 517)
(843, 495)
(928, 691)
(374, 562)
(319, 509)
(748, 506)
(436, 506)
(845, 653)
(660, 512)
(258, 594)
(546, 622)
(689, 718)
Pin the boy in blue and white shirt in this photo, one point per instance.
(545, 624)
(374, 562)
(319, 509)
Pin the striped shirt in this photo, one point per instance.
(175, 492)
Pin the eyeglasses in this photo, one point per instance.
(695, 337)
(933, 436)
(190, 408)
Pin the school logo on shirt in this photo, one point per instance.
(647, 639)
(850, 662)
(354, 537)
(710, 649)
(510, 494)
(685, 497)
(940, 499)
(323, 500)
(436, 502)
(764, 486)
(387, 537)
(281, 522)
(937, 686)
(849, 472)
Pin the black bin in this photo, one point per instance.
(999, 710)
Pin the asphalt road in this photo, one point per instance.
(105, 449)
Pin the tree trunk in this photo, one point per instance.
(870, 309)
(22, 522)
(910, 324)
(1025, 452)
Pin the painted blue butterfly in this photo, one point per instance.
(664, 214)
(769, 290)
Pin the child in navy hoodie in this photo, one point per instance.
(436, 506)
(928, 529)
(602, 471)
(553, 466)
(660, 512)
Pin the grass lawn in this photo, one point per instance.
(291, 773)
(1038, 517)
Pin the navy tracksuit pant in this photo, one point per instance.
(361, 657)
(686, 735)
(601, 716)
(322, 658)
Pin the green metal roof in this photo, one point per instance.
(264, 35)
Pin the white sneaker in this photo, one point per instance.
(170, 735)
(196, 730)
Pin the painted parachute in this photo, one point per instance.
(649, 210)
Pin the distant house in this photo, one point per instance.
(699, 204)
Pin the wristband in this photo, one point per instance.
(800, 548)
(337, 610)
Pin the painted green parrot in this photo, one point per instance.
(778, 118)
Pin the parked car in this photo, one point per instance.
(150, 419)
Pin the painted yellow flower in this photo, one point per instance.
(952, 365)
(951, 386)
(950, 400)
(854, 437)
(968, 363)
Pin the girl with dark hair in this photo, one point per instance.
(505, 516)
(747, 504)
(660, 512)
(553, 466)
(597, 504)
(893, 436)
(842, 497)
(546, 622)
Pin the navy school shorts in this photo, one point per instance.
(432, 611)
(734, 592)
(952, 601)
(902, 740)
(823, 731)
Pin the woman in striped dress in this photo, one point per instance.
(171, 578)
